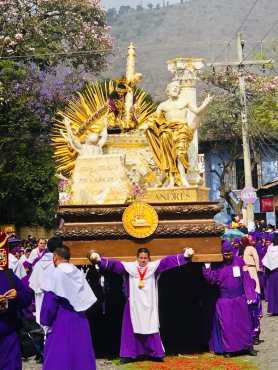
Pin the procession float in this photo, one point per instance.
(129, 170)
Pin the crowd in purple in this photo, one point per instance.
(37, 276)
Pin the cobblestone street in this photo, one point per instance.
(267, 358)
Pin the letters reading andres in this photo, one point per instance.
(170, 135)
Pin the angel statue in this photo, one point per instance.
(169, 134)
(93, 144)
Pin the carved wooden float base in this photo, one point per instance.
(180, 225)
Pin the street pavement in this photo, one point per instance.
(267, 358)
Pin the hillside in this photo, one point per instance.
(199, 28)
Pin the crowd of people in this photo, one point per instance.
(42, 284)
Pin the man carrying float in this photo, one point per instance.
(140, 327)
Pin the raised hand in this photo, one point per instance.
(188, 252)
(208, 99)
(93, 257)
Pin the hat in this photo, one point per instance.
(226, 247)
(14, 241)
(237, 240)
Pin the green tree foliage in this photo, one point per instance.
(28, 189)
(47, 48)
(223, 121)
(221, 129)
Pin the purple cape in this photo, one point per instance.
(10, 354)
(231, 329)
(69, 344)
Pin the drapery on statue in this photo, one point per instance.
(93, 144)
(170, 135)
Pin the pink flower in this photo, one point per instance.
(19, 36)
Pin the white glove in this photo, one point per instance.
(207, 265)
(95, 257)
(188, 252)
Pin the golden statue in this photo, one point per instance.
(170, 135)
(101, 106)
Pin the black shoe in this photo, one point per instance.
(252, 352)
(256, 341)
(125, 360)
(227, 355)
(157, 359)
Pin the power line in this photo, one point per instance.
(74, 53)
(247, 16)
(264, 36)
(241, 24)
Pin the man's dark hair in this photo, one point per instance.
(54, 243)
(63, 252)
(143, 250)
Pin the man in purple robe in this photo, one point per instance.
(261, 247)
(13, 297)
(270, 261)
(140, 326)
(231, 327)
(67, 296)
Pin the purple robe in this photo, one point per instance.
(272, 292)
(68, 344)
(134, 345)
(261, 250)
(10, 354)
(231, 327)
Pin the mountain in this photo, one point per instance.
(198, 28)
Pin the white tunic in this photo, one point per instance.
(144, 301)
(16, 266)
(42, 271)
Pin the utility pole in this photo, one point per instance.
(240, 64)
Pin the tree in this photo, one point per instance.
(222, 124)
(111, 14)
(47, 32)
(33, 89)
(124, 9)
(28, 189)
(150, 6)
(139, 8)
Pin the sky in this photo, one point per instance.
(133, 3)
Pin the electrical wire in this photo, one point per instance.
(241, 24)
(264, 37)
(74, 53)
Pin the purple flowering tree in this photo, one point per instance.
(49, 49)
(51, 31)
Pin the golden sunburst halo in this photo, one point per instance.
(85, 113)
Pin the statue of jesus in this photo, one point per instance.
(169, 134)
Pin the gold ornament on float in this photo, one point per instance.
(140, 220)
